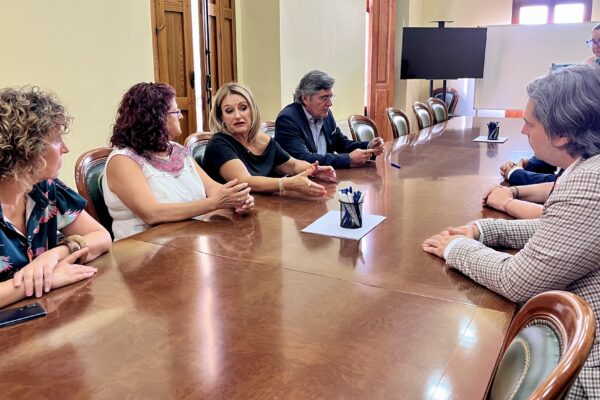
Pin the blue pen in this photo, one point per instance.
(393, 164)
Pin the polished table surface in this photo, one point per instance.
(250, 307)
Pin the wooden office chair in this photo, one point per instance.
(438, 109)
(547, 344)
(362, 128)
(451, 99)
(196, 144)
(423, 114)
(268, 127)
(89, 172)
(399, 121)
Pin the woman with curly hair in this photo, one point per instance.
(149, 179)
(35, 204)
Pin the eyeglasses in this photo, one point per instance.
(327, 97)
(178, 112)
(592, 42)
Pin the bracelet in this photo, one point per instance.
(73, 243)
(506, 206)
(281, 188)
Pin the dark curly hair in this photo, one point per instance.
(141, 122)
(29, 119)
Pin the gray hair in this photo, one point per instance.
(311, 83)
(567, 104)
(596, 27)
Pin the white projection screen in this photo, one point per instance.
(515, 54)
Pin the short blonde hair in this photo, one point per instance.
(29, 119)
(216, 115)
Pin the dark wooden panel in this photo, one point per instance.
(228, 52)
(214, 56)
(176, 52)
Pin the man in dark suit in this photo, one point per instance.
(307, 130)
(528, 172)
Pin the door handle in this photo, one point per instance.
(193, 80)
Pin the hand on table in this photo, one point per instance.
(67, 272)
(377, 145)
(232, 195)
(359, 157)
(437, 244)
(509, 165)
(37, 275)
(300, 183)
(245, 206)
(497, 197)
(324, 173)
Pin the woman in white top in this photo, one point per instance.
(148, 178)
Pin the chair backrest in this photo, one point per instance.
(438, 109)
(451, 99)
(423, 114)
(89, 172)
(399, 121)
(547, 343)
(268, 127)
(362, 128)
(196, 144)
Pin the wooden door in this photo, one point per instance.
(219, 64)
(173, 58)
(380, 62)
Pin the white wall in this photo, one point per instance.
(87, 52)
(258, 55)
(330, 36)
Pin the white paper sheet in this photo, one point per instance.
(501, 139)
(329, 225)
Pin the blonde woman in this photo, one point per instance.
(240, 150)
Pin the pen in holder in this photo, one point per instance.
(493, 130)
(350, 208)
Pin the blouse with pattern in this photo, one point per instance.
(51, 206)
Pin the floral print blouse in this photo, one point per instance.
(51, 206)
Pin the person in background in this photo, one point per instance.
(149, 179)
(532, 171)
(528, 171)
(307, 129)
(35, 205)
(558, 251)
(240, 150)
(594, 43)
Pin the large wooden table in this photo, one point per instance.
(251, 308)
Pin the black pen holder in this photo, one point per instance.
(351, 215)
(493, 132)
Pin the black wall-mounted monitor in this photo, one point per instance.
(443, 53)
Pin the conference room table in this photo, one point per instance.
(250, 307)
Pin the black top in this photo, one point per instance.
(222, 148)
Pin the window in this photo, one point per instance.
(551, 11)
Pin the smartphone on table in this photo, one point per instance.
(24, 313)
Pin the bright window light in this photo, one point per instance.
(532, 15)
(565, 13)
